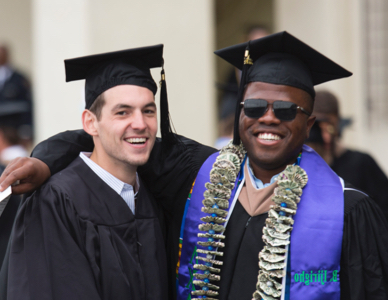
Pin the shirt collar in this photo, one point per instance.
(116, 184)
(257, 182)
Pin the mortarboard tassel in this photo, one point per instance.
(168, 138)
(247, 64)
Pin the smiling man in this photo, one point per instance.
(93, 231)
(266, 218)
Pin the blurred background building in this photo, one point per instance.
(354, 33)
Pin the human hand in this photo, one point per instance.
(25, 174)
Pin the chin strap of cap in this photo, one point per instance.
(247, 64)
(168, 137)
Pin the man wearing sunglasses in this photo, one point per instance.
(316, 237)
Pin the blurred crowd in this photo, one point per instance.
(16, 123)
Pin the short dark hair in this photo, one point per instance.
(96, 107)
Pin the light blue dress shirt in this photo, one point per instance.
(125, 190)
(257, 182)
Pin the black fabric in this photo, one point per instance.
(282, 68)
(362, 171)
(116, 73)
(281, 58)
(16, 90)
(364, 256)
(60, 150)
(6, 222)
(76, 238)
(12, 113)
(169, 178)
(364, 260)
(106, 70)
(243, 243)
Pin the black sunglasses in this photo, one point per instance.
(283, 110)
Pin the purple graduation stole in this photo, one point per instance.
(316, 240)
(190, 223)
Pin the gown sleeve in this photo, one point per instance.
(168, 172)
(46, 259)
(364, 261)
(376, 183)
(58, 151)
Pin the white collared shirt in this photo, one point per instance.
(125, 190)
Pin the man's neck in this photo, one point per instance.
(120, 170)
(265, 174)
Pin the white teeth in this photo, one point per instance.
(136, 140)
(269, 136)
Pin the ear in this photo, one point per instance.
(90, 122)
(310, 123)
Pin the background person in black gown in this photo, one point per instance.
(355, 167)
(15, 89)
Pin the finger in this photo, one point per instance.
(22, 188)
(12, 166)
(19, 174)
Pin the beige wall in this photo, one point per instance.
(15, 31)
(59, 32)
(64, 29)
(233, 17)
(327, 26)
(187, 31)
(336, 29)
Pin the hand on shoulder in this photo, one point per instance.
(25, 174)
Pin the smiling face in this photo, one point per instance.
(125, 133)
(272, 144)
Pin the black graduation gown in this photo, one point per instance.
(7, 217)
(365, 231)
(362, 171)
(364, 266)
(76, 238)
(16, 89)
(169, 177)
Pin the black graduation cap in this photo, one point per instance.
(282, 59)
(132, 66)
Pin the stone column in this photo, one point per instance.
(66, 29)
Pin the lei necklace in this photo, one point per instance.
(276, 233)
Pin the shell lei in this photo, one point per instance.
(216, 202)
(276, 233)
